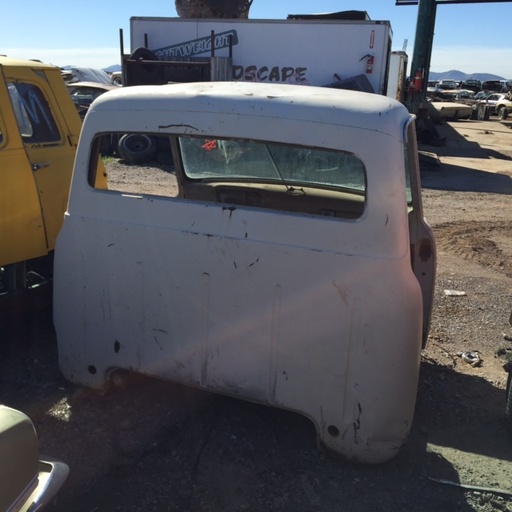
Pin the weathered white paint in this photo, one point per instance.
(315, 314)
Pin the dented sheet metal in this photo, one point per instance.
(313, 313)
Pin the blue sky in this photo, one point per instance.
(474, 38)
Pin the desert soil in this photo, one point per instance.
(152, 446)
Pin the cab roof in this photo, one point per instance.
(258, 101)
(8, 61)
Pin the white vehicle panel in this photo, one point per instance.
(307, 52)
(311, 313)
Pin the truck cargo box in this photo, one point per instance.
(305, 52)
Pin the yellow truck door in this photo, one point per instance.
(49, 126)
(22, 234)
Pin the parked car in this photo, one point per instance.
(477, 98)
(460, 95)
(496, 104)
(27, 482)
(39, 131)
(432, 86)
(84, 93)
(447, 84)
(472, 84)
(116, 77)
(481, 95)
(494, 86)
(443, 110)
(74, 74)
(507, 84)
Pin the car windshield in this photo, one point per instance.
(85, 95)
(482, 95)
(243, 160)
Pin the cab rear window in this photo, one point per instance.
(292, 166)
(242, 172)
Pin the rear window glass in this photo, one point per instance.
(235, 160)
(250, 173)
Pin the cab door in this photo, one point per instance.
(22, 233)
(49, 140)
(421, 236)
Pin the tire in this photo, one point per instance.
(503, 113)
(508, 406)
(136, 148)
(106, 147)
(139, 73)
(143, 53)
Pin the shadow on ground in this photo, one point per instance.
(459, 145)
(463, 179)
(439, 175)
(151, 445)
(463, 412)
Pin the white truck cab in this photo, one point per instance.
(282, 257)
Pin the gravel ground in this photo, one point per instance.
(147, 445)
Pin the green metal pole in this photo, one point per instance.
(422, 51)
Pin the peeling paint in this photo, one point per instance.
(165, 126)
(342, 292)
(357, 424)
(230, 208)
(254, 262)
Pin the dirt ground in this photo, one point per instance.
(152, 446)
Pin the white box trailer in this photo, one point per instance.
(307, 52)
(397, 80)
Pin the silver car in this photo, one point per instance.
(27, 482)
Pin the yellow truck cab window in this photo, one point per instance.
(33, 114)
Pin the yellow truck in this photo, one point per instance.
(39, 130)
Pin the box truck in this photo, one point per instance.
(350, 54)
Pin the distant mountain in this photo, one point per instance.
(460, 75)
(113, 68)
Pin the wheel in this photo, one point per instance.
(503, 113)
(508, 407)
(136, 148)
